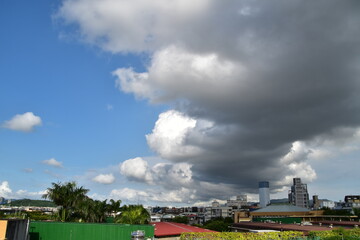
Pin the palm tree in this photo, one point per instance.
(133, 214)
(114, 207)
(68, 196)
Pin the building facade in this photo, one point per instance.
(298, 195)
(240, 201)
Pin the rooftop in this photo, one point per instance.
(282, 208)
(174, 229)
(279, 227)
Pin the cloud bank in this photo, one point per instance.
(256, 87)
(7, 192)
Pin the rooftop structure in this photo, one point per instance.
(264, 194)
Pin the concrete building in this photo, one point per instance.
(298, 195)
(215, 204)
(352, 201)
(241, 200)
(320, 203)
(264, 194)
(327, 203)
(215, 212)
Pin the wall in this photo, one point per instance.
(3, 225)
(289, 220)
(17, 229)
(85, 231)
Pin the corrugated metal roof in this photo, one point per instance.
(282, 208)
(174, 229)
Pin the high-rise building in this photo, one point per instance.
(264, 194)
(298, 195)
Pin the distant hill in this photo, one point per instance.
(32, 203)
(279, 201)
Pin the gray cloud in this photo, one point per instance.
(248, 80)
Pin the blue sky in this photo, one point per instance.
(178, 103)
(86, 122)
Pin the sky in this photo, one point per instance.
(180, 102)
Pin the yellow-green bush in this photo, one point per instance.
(337, 234)
(242, 236)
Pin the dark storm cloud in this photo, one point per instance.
(248, 79)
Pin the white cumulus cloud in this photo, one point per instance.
(26, 194)
(23, 122)
(5, 190)
(191, 70)
(53, 162)
(181, 195)
(136, 169)
(104, 178)
(169, 136)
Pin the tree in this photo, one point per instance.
(219, 226)
(68, 196)
(133, 214)
(76, 206)
(114, 207)
(180, 219)
(340, 212)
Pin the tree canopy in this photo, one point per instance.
(133, 214)
(75, 205)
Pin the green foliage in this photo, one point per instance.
(74, 205)
(133, 214)
(229, 220)
(219, 224)
(342, 212)
(16, 215)
(288, 235)
(180, 219)
(337, 234)
(32, 203)
(68, 196)
(38, 216)
(356, 212)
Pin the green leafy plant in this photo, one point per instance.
(288, 235)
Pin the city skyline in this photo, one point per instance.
(179, 103)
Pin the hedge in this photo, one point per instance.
(337, 234)
(288, 235)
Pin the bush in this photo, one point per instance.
(289, 235)
(337, 234)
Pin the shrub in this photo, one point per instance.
(242, 236)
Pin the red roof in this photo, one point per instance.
(172, 229)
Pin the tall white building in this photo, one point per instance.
(298, 195)
(264, 194)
